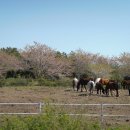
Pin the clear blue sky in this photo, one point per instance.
(96, 26)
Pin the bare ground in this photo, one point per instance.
(57, 95)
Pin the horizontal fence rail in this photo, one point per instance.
(41, 105)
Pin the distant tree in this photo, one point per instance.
(124, 64)
(115, 68)
(100, 66)
(59, 54)
(11, 51)
(8, 62)
(45, 61)
(80, 63)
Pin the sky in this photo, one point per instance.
(95, 26)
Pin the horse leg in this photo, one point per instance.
(81, 88)
(100, 91)
(111, 92)
(97, 90)
(103, 91)
(85, 87)
(90, 91)
(107, 92)
(117, 93)
(129, 92)
(78, 86)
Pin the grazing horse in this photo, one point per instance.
(99, 83)
(112, 86)
(75, 82)
(99, 88)
(91, 85)
(126, 83)
(82, 83)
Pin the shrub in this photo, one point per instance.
(16, 82)
(60, 82)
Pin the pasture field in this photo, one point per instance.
(68, 96)
(57, 95)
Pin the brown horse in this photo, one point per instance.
(110, 85)
(105, 81)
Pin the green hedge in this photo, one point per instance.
(16, 82)
(35, 82)
(62, 82)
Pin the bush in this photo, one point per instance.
(60, 82)
(35, 82)
(16, 82)
(45, 82)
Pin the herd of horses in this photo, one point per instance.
(101, 85)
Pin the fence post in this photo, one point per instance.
(40, 108)
(101, 116)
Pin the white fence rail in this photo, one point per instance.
(41, 105)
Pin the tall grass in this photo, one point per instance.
(48, 121)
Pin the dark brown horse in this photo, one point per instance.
(126, 83)
(100, 89)
(82, 83)
(112, 86)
